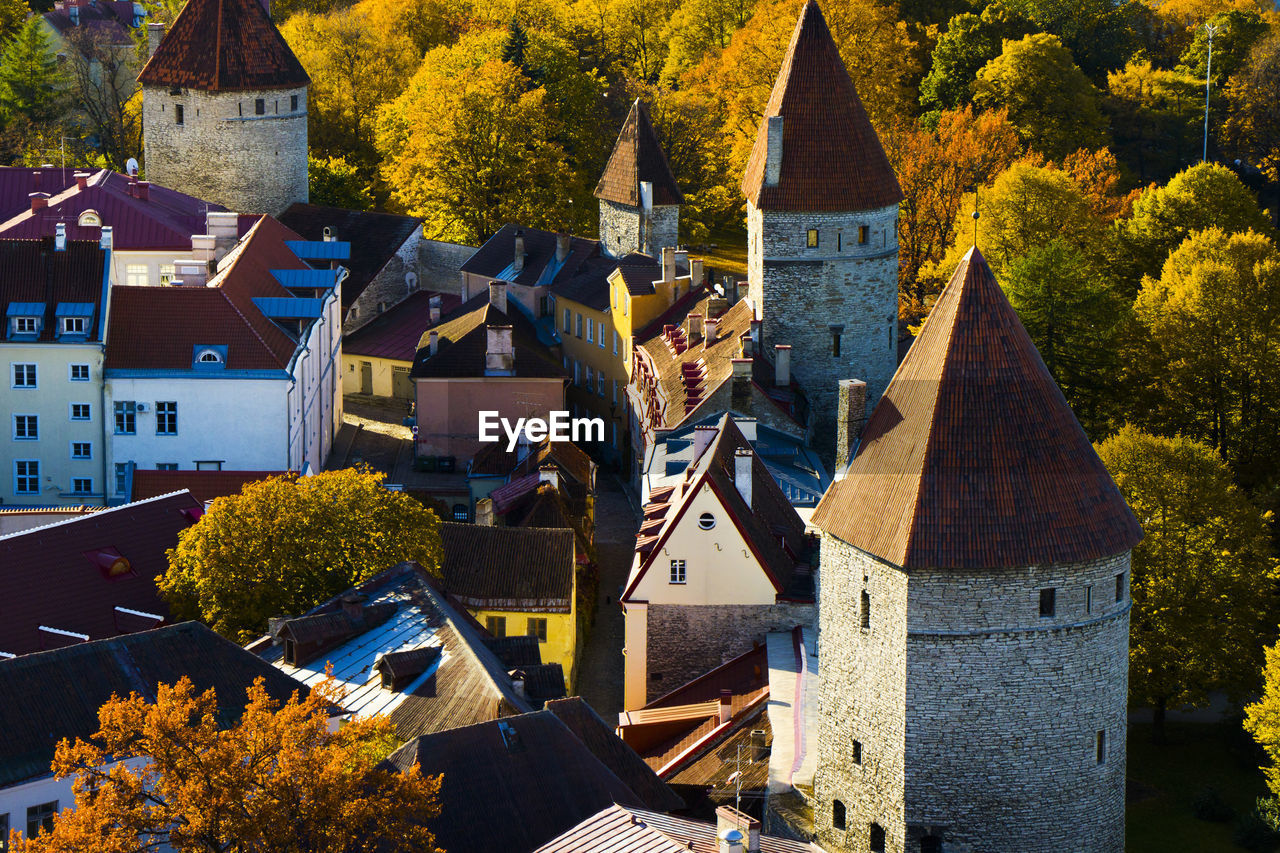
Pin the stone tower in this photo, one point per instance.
(974, 613)
(626, 225)
(822, 214)
(224, 109)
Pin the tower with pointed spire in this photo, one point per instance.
(974, 613)
(639, 198)
(224, 109)
(822, 212)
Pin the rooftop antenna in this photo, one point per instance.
(1212, 30)
(973, 188)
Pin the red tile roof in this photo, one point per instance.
(36, 272)
(831, 156)
(52, 578)
(638, 156)
(224, 45)
(395, 333)
(203, 485)
(972, 459)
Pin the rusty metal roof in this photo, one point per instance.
(972, 459)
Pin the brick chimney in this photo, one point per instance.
(433, 342)
(549, 474)
(224, 225)
(727, 818)
(712, 324)
(562, 246)
(155, 33)
(433, 306)
(82, 180)
(142, 190)
(740, 392)
(204, 247)
(726, 703)
(742, 465)
(669, 264)
(773, 157)
(517, 262)
(484, 512)
(850, 416)
(498, 295)
(748, 345)
(696, 276)
(499, 352)
(695, 329)
(782, 365)
(190, 271)
(39, 201)
(703, 435)
(353, 606)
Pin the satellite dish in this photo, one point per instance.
(411, 281)
(131, 167)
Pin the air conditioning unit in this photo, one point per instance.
(141, 407)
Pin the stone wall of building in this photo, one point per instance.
(687, 641)
(621, 228)
(978, 717)
(223, 151)
(398, 278)
(806, 295)
(439, 264)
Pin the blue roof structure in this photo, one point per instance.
(320, 250)
(304, 278)
(283, 308)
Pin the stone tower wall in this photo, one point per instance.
(987, 712)
(802, 292)
(620, 228)
(223, 151)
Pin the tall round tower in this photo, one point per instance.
(822, 227)
(224, 109)
(974, 608)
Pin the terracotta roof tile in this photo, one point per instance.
(223, 45)
(972, 459)
(638, 156)
(35, 272)
(831, 156)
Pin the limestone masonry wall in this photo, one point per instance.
(620, 228)
(224, 151)
(686, 641)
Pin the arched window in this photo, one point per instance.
(706, 521)
(210, 357)
(877, 838)
(89, 218)
(837, 814)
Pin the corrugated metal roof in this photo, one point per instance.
(304, 277)
(289, 308)
(622, 829)
(75, 309)
(320, 250)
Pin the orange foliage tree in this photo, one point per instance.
(171, 773)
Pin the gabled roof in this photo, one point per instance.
(831, 156)
(463, 341)
(394, 334)
(508, 567)
(638, 156)
(223, 45)
(621, 828)
(375, 237)
(53, 576)
(110, 21)
(512, 784)
(496, 257)
(36, 275)
(203, 485)
(57, 694)
(972, 459)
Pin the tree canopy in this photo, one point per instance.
(286, 544)
(170, 772)
(1252, 127)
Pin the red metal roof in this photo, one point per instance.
(203, 485)
(831, 156)
(224, 45)
(395, 333)
(638, 156)
(48, 579)
(972, 459)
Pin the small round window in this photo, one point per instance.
(706, 521)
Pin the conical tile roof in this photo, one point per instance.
(831, 156)
(638, 156)
(223, 45)
(972, 459)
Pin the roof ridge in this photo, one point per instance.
(98, 514)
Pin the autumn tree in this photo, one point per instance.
(969, 43)
(1251, 131)
(1262, 718)
(1155, 118)
(334, 182)
(1203, 577)
(1050, 101)
(104, 90)
(1101, 35)
(698, 28)
(170, 774)
(1236, 31)
(1213, 317)
(13, 14)
(285, 544)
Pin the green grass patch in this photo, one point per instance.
(1164, 779)
(729, 254)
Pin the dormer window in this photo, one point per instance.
(73, 318)
(90, 219)
(210, 357)
(73, 326)
(25, 325)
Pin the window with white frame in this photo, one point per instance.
(166, 418)
(603, 334)
(591, 330)
(135, 275)
(122, 471)
(26, 477)
(81, 450)
(600, 384)
(677, 571)
(167, 273)
(79, 372)
(82, 485)
(126, 412)
(24, 376)
(26, 427)
(80, 411)
(25, 325)
(73, 325)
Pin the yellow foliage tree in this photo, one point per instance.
(1262, 718)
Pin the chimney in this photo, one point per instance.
(191, 271)
(329, 235)
(849, 420)
(703, 434)
(499, 355)
(755, 333)
(730, 841)
(726, 706)
(38, 201)
(549, 474)
(716, 306)
(517, 685)
(82, 180)
(742, 467)
(433, 341)
(773, 155)
(353, 606)
(696, 277)
(782, 365)
(498, 295)
(484, 512)
(60, 237)
(740, 391)
(759, 748)
(517, 263)
(142, 190)
(224, 225)
(728, 818)
(695, 328)
(104, 238)
(155, 32)
(562, 246)
(669, 264)
(730, 290)
(433, 305)
(748, 345)
(203, 247)
(711, 325)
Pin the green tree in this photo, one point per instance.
(698, 28)
(285, 544)
(970, 42)
(171, 774)
(1100, 34)
(32, 84)
(1155, 119)
(514, 47)
(1213, 318)
(1203, 577)
(1050, 101)
(1252, 128)
(1075, 317)
(335, 182)
(1237, 31)
(13, 14)
(1202, 196)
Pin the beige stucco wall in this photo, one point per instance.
(448, 409)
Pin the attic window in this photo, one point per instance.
(110, 562)
(25, 325)
(90, 218)
(706, 521)
(209, 357)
